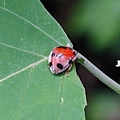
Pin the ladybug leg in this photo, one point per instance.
(66, 73)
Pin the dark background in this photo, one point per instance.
(93, 27)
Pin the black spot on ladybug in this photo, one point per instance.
(74, 53)
(60, 66)
(50, 64)
(62, 47)
(53, 54)
(70, 62)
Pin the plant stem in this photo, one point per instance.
(98, 73)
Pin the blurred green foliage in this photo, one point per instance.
(100, 20)
(104, 106)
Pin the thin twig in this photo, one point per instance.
(98, 73)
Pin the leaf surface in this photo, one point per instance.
(28, 90)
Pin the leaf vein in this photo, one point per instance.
(60, 99)
(23, 69)
(30, 24)
(4, 3)
(21, 50)
(23, 96)
(36, 16)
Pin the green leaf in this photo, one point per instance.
(28, 90)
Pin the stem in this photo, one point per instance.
(99, 74)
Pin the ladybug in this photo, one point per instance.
(61, 58)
